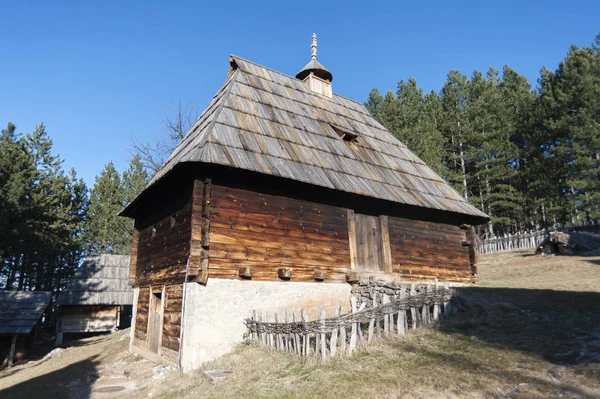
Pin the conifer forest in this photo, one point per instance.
(527, 154)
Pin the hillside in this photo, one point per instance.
(529, 328)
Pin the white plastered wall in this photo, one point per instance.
(213, 320)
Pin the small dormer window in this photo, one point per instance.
(346, 136)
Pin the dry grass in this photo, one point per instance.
(530, 328)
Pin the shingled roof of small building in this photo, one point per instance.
(268, 122)
(21, 310)
(100, 280)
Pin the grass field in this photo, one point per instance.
(530, 328)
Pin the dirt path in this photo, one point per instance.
(94, 367)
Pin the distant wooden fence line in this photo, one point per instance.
(511, 242)
(530, 239)
(339, 335)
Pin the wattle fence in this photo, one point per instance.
(340, 335)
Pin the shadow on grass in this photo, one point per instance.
(55, 384)
(513, 378)
(561, 326)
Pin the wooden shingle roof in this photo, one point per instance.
(21, 310)
(101, 280)
(267, 122)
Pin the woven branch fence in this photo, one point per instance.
(340, 334)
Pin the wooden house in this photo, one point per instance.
(280, 195)
(22, 316)
(97, 299)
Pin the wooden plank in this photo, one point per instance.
(334, 333)
(352, 238)
(386, 250)
(13, 346)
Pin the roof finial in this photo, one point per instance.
(313, 47)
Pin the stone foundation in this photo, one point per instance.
(213, 320)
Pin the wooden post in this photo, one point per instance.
(11, 355)
(287, 335)
(413, 310)
(317, 335)
(354, 328)
(425, 309)
(362, 307)
(372, 321)
(334, 333)
(296, 337)
(436, 306)
(342, 339)
(386, 316)
(254, 333)
(446, 303)
(306, 338)
(278, 342)
(323, 337)
(402, 313)
(268, 336)
(261, 335)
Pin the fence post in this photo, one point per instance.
(436, 305)
(323, 337)
(446, 302)
(354, 327)
(306, 338)
(425, 308)
(413, 310)
(334, 333)
(402, 313)
(287, 335)
(295, 338)
(317, 335)
(386, 319)
(255, 333)
(372, 320)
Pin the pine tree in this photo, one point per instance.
(106, 232)
(456, 129)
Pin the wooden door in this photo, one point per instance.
(368, 243)
(155, 322)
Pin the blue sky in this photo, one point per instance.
(97, 74)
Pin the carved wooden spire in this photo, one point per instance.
(313, 47)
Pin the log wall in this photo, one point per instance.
(141, 318)
(163, 248)
(425, 250)
(172, 321)
(80, 319)
(266, 232)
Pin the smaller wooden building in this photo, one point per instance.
(22, 315)
(98, 297)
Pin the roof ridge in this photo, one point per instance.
(293, 77)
